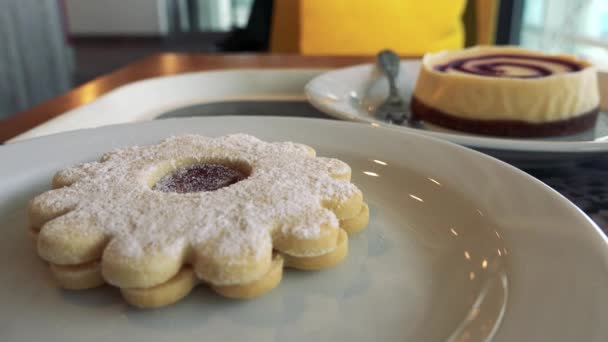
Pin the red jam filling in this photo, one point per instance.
(201, 177)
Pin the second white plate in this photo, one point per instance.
(353, 93)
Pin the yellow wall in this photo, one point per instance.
(340, 27)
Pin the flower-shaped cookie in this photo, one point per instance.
(138, 220)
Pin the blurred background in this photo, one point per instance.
(50, 46)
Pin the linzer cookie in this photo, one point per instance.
(506, 91)
(229, 212)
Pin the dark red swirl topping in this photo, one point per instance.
(510, 66)
(196, 178)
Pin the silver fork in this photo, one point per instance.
(393, 109)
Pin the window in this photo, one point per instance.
(578, 27)
(214, 15)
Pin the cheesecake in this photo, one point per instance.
(506, 91)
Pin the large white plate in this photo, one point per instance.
(460, 247)
(353, 93)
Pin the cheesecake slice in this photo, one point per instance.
(507, 91)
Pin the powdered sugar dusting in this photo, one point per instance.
(284, 191)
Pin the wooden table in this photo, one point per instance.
(161, 65)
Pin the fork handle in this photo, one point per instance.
(389, 64)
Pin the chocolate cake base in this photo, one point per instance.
(504, 128)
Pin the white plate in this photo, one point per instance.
(147, 99)
(460, 246)
(353, 93)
